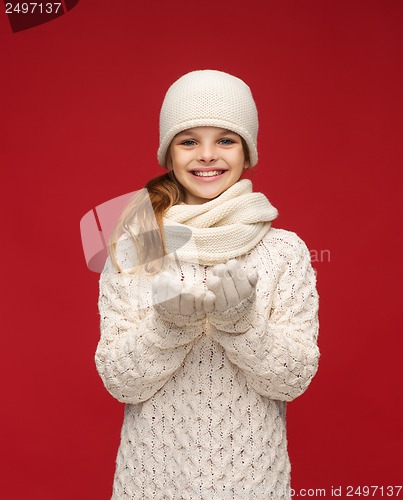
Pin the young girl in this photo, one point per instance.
(209, 316)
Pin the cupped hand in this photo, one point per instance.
(177, 302)
(231, 285)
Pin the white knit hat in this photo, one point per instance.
(208, 98)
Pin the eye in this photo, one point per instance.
(226, 141)
(188, 142)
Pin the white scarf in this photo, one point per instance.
(220, 229)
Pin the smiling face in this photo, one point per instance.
(206, 161)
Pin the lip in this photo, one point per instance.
(207, 169)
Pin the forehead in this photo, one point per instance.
(206, 130)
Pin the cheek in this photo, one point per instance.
(237, 156)
(238, 160)
(182, 159)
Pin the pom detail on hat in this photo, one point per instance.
(208, 98)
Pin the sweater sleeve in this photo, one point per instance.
(278, 352)
(138, 351)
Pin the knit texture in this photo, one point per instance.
(208, 98)
(225, 227)
(205, 413)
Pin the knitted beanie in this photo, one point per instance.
(208, 98)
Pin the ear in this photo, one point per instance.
(246, 165)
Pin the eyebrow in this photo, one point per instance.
(191, 131)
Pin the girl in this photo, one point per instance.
(208, 315)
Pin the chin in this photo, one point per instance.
(211, 194)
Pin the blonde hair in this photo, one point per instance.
(163, 192)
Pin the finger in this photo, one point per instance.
(235, 270)
(160, 286)
(233, 265)
(198, 300)
(253, 277)
(227, 274)
(208, 301)
(167, 288)
(230, 291)
(187, 303)
(172, 305)
(220, 270)
(214, 283)
(241, 281)
(159, 294)
(174, 288)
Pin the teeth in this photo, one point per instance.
(208, 174)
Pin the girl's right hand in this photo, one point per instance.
(177, 303)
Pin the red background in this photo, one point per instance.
(79, 112)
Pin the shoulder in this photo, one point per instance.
(284, 245)
(287, 240)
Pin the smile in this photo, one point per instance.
(211, 173)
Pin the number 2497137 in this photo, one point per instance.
(33, 7)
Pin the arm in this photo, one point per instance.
(138, 351)
(277, 350)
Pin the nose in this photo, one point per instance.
(207, 153)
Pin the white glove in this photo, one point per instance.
(177, 303)
(235, 293)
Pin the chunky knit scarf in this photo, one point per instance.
(220, 229)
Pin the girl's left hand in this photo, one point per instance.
(232, 285)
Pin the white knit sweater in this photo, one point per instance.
(205, 414)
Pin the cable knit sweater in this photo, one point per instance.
(205, 413)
